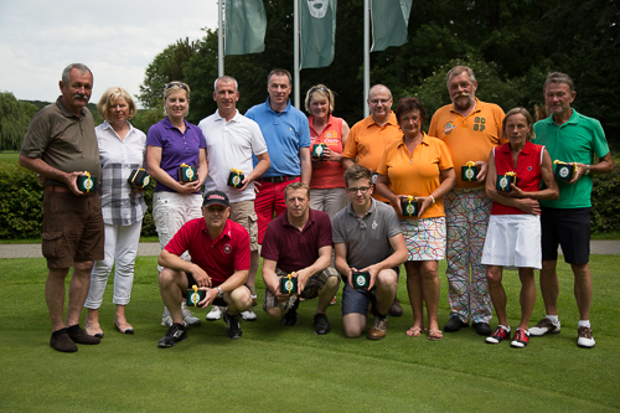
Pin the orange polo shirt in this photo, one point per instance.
(417, 174)
(367, 141)
(469, 138)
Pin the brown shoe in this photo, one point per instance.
(379, 329)
(395, 309)
(61, 341)
(80, 336)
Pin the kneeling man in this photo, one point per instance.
(368, 240)
(299, 243)
(220, 251)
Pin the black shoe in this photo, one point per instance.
(290, 318)
(455, 324)
(482, 329)
(321, 324)
(61, 341)
(395, 309)
(234, 330)
(175, 333)
(80, 336)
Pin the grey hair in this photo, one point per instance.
(457, 70)
(226, 78)
(559, 77)
(66, 78)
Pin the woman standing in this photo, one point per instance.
(419, 166)
(121, 150)
(327, 189)
(171, 143)
(513, 236)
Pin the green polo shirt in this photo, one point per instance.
(63, 140)
(576, 140)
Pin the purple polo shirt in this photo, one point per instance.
(176, 147)
(292, 249)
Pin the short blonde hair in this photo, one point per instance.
(110, 97)
(295, 186)
(174, 87)
(319, 92)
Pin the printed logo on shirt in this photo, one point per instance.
(448, 127)
(374, 225)
(479, 124)
(227, 249)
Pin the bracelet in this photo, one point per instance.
(588, 170)
(432, 198)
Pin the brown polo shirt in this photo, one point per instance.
(62, 140)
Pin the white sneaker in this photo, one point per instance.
(189, 319)
(166, 319)
(215, 313)
(585, 339)
(248, 315)
(545, 326)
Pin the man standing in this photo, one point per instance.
(60, 145)
(368, 238)
(470, 128)
(231, 140)
(299, 243)
(287, 134)
(575, 138)
(367, 141)
(220, 251)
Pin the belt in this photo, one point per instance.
(55, 188)
(463, 190)
(278, 179)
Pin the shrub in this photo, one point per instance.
(606, 202)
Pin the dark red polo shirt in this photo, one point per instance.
(292, 249)
(219, 258)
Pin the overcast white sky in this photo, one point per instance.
(116, 39)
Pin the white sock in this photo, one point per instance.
(506, 329)
(584, 323)
(554, 318)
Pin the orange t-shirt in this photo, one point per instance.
(330, 173)
(367, 141)
(417, 174)
(470, 138)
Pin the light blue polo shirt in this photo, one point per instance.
(285, 134)
(576, 140)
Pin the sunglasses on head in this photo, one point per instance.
(175, 84)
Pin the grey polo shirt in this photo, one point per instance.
(367, 238)
(62, 140)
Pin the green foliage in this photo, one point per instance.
(606, 202)
(15, 117)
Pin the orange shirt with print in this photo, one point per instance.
(417, 174)
(469, 138)
(330, 174)
(367, 141)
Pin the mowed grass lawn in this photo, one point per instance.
(290, 369)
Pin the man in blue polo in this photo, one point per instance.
(569, 137)
(287, 134)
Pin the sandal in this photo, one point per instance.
(435, 335)
(415, 331)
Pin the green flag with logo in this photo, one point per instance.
(318, 32)
(246, 24)
(390, 19)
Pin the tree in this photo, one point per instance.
(15, 117)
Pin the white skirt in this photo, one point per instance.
(513, 241)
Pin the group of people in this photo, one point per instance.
(320, 202)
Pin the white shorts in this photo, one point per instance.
(513, 241)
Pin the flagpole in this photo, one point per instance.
(296, 52)
(220, 41)
(366, 55)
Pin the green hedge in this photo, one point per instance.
(21, 212)
(21, 206)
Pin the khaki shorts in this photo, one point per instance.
(243, 214)
(311, 289)
(72, 229)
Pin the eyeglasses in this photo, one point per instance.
(362, 189)
(174, 84)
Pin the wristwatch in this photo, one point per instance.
(588, 170)
(220, 293)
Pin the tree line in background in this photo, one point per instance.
(511, 45)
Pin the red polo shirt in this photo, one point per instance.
(292, 249)
(219, 258)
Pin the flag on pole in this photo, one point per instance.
(246, 24)
(390, 19)
(318, 32)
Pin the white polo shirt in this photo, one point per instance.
(231, 145)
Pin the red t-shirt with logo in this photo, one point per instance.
(219, 258)
(329, 174)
